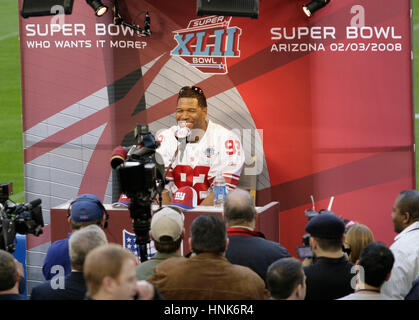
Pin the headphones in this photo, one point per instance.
(98, 203)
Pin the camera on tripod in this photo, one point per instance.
(17, 218)
(140, 173)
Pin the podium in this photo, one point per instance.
(267, 222)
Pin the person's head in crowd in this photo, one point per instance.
(326, 235)
(167, 229)
(109, 272)
(208, 234)
(239, 209)
(405, 210)
(9, 274)
(192, 107)
(82, 242)
(87, 209)
(286, 279)
(357, 237)
(376, 261)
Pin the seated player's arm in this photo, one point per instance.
(166, 197)
(208, 201)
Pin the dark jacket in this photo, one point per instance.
(206, 276)
(58, 254)
(74, 289)
(414, 292)
(251, 249)
(329, 278)
(12, 296)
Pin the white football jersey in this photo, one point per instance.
(219, 150)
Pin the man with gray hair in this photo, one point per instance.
(72, 287)
(248, 247)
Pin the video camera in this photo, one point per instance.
(304, 251)
(140, 173)
(17, 218)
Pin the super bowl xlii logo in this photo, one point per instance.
(207, 43)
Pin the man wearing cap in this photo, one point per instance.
(207, 275)
(73, 286)
(329, 277)
(87, 209)
(167, 232)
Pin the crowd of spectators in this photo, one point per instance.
(230, 259)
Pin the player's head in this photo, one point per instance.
(192, 107)
(193, 92)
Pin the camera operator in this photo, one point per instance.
(73, 286)
(11, 271)
(86, 210)
(329, 277)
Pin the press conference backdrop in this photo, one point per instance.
(325, 104)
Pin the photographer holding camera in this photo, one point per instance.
(329, 277)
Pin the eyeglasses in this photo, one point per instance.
(194, 88)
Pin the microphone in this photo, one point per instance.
(119, 155)
(182, 134)
(148, 141)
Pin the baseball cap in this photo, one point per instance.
(123, 202)
(185, 198)
(167, 222)
(86, 207)
(325, 225)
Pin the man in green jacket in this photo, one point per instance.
(167, 231)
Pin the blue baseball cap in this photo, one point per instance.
(86, 207)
